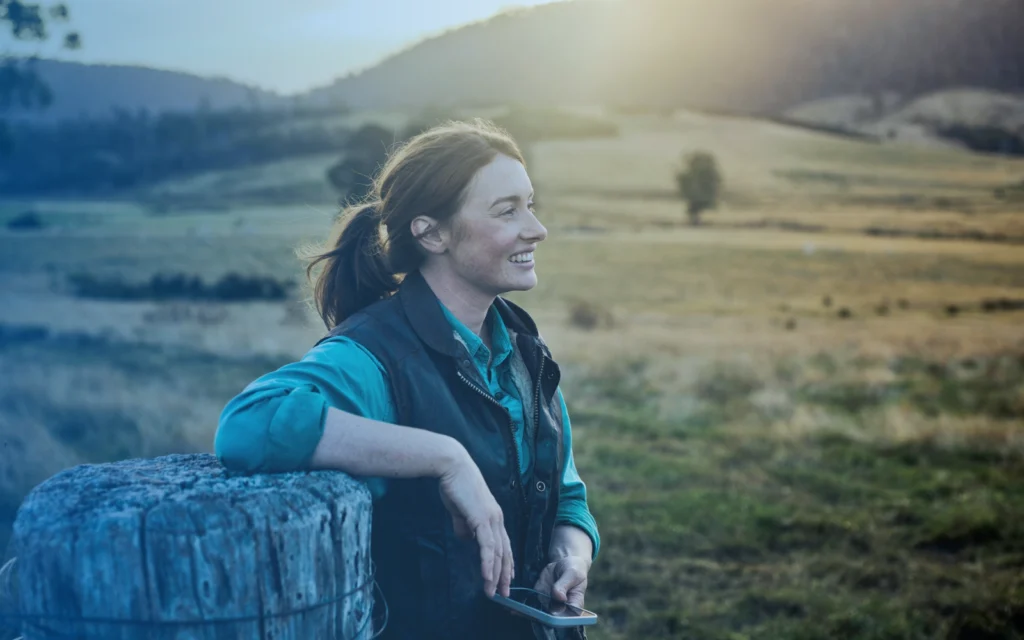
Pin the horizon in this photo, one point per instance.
(338, 38)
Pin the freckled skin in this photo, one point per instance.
(483, 238)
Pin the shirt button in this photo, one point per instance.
(499, 396)
(541, 486)
(513, 483)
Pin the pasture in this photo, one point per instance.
(797, 420)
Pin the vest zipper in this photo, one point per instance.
(511, 431)
(536, 404)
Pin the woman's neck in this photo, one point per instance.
(466, 304)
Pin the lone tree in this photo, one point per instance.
(20, 85)
(699, 182)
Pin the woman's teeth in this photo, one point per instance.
(522, 257)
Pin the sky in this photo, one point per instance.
(286, 46)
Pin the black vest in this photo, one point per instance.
(430, 578)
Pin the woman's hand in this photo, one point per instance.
(476, 514)
(565, 579)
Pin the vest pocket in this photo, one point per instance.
(433, 588)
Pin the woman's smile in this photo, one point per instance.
(523, 259)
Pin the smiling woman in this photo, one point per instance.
(438, 392)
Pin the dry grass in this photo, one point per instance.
(747, 443)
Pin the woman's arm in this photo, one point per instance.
(574, 540)
(573, 512)
(364, 447)
(333, 410)
(569, 540)
(369, 447)
(277, 421)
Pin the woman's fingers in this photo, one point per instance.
(485, 538)
(545, 580)
(507, 567)
(576, 596)
(499, 552)
(570, 586)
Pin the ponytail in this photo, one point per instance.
(356, 272)
(426, 175)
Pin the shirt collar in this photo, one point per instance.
(501, 343)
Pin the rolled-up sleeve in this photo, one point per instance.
(276, 422)
(572, 501)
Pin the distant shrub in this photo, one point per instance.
(11, 334)
(1010, 192)
(27, 221)
(230, 288)
(990, 305)
(844, 313)
(723, 384)
(588, 315)
(699, 182)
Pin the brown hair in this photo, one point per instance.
(427, 175)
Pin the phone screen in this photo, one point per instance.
(546, 604)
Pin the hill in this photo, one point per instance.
(95, 89)
(972, 118)
(751, 56)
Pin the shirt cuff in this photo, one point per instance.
(295, 430)
(581, 519)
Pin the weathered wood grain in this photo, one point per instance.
(174, 540)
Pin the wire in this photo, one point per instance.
(37, 621)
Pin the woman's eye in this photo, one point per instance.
(508, 212)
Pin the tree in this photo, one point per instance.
(365, 152)
(19, 83)
(699, 183)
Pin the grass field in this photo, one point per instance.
(762, 463)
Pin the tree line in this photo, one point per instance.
(134, 149)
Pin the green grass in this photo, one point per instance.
(713, 527)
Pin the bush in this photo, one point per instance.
(232, 287)
(699, 183)
(365, 152)
(589, 315)
(26, 221)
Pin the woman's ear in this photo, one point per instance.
(429, 234)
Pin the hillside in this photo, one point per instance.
(942, 118)
(93, 90)
(752, 56)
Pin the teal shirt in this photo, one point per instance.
(276, 422)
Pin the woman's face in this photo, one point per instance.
(492, 238)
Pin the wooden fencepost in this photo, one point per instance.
(174, 547)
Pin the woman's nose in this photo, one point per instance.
(534, 231)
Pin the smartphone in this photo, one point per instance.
(544, 609)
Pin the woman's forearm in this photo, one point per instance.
(568, 540)
(364, 447)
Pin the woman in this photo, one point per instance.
(437, 391)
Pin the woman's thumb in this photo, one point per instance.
(561, 587)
